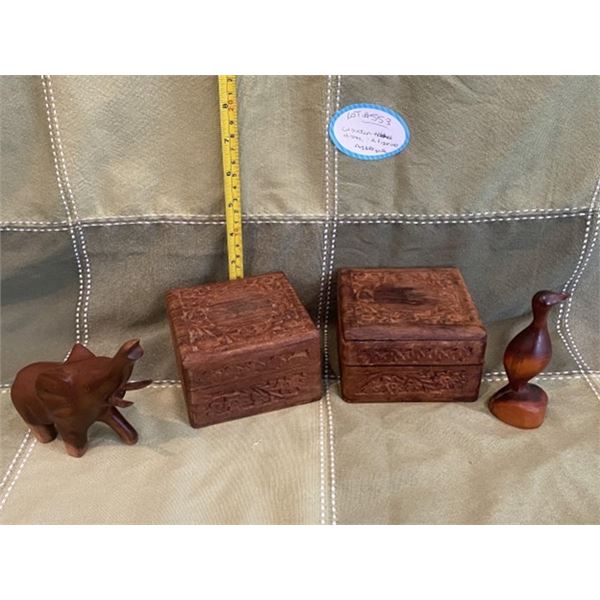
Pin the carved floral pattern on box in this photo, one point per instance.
(414, 296)
(224, 316)
(408, 335)
(413, 384)
(416, 353)
(427, 380)
(232, 371)
(243, 347)
(269, 393)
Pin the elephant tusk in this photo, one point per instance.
(117, 397)
(116, 401)
(137, 385)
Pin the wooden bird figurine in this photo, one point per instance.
(520, 403)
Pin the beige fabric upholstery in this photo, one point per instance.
(410, 463)
(111, 194)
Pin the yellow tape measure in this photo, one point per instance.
(231, 174)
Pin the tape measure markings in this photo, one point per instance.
(231, 175)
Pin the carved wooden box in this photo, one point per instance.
(408, 335)
(243, 347)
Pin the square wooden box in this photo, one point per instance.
(408, 335)
(243, 347)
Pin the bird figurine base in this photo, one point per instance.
(524, 408)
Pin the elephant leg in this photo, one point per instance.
(114, 419)
(76, 443)
(44, 433)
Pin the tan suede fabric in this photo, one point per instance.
(442, 463)
(111, 193)
(281, 130)
(408, 463)
(256, 470)
(538, 136)
(142, 145)
(26, 165)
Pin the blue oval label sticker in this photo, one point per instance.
(369, 131)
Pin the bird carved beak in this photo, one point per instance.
(556, 298)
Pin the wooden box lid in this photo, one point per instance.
(406, 304)
(218, 319)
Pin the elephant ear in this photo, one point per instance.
(79, 352)
(56, 393)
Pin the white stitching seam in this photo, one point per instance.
(9, 228)
(44, 226)
(17, 474)
(362, 221)
(15, 458)
(86, 260)
(486, 213)
(330, 427)
(574, 282)
(543, 377)
(70, 226)
(323, 518)
(545, 373)
(322, 503)
(275, 217)
(562, 323)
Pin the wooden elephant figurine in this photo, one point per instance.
(67, 398)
